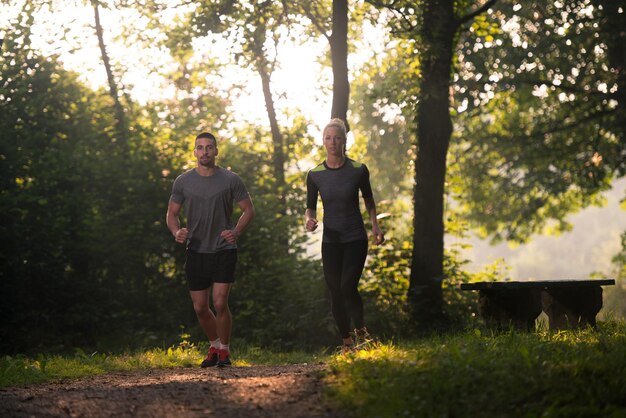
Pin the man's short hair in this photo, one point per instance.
(207, 135)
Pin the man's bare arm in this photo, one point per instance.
(231, 235)
(173, 222)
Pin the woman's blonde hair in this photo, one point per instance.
(336, 123)
(341, 125)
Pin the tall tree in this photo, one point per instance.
(434, 25)
(334, 27)
(121, 124)
(339, 53)
(255, 29)
(540, 130)
(434, 128)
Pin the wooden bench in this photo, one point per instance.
(567, 303)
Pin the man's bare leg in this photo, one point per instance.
(224, 318)
(206, 318)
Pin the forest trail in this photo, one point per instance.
(257, 391)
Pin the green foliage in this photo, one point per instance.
(614, 297)
(385, 280)
(384, 286)
(619, 260)
(45, 167)
(387, 88)
(559, 374)
(537, 108)
(483, 28)
(253, 28)
(511, 184)
(614, 300)
(250, 355)
(379, 124)
(540, 130)
(87, 259)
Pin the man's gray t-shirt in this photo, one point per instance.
(208, 203)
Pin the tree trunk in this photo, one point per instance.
(434, 131)
(339, 57)
(278, 156)
(614, 36)
(120, 117)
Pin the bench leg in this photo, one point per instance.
(517, 308)
(571, 307)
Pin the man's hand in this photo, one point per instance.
(181, 235)
(311, 224)
(230, 235)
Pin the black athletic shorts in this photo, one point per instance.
(204, 269)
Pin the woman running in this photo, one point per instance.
(344, 243)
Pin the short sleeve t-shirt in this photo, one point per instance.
(208, 203)
(339, 190)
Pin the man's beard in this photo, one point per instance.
(206, 162)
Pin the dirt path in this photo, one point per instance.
(257, 391)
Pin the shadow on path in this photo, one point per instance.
(256, 391)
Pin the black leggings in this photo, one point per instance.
(343, 265)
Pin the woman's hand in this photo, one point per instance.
(311, 224)
(379, 237)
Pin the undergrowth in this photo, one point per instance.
(578, 373)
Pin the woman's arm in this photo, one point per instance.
(311, 220)
(370, 205)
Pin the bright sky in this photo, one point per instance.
(70, 33)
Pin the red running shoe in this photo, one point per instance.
(223, 358)
(211, 358)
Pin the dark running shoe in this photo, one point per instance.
(362, 339)
(346, 349)
(211, 358)
(223, 358)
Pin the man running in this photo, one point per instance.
(207, 193)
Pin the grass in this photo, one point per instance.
(22, 370)
(475, 374)
(545, 374)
